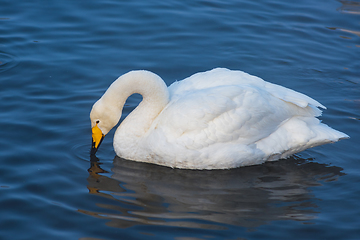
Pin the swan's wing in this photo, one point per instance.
(229, 106)
(242, 114)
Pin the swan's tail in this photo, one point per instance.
(296, 135)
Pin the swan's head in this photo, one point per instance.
(103, 119)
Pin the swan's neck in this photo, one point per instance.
(155, 97)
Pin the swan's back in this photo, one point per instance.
(225, 77)
(225, 119)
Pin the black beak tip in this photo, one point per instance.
(93, 149)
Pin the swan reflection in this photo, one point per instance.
(249, 197)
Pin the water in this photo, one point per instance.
(58, 57)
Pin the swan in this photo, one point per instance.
(218, 119)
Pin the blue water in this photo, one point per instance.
(58, 57)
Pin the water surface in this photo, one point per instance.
(58, 57)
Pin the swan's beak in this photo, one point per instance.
(97, 137)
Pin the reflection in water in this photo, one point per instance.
(350, 7)
(249, 197)
(345, 30)
(351, 31)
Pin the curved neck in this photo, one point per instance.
(155, 97)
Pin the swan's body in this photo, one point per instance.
(212, 120)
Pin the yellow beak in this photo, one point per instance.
(97, 137)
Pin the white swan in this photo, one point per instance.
(212, 120)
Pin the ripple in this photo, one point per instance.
(7, 61)
(81, 151)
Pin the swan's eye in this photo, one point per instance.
(97, 121)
